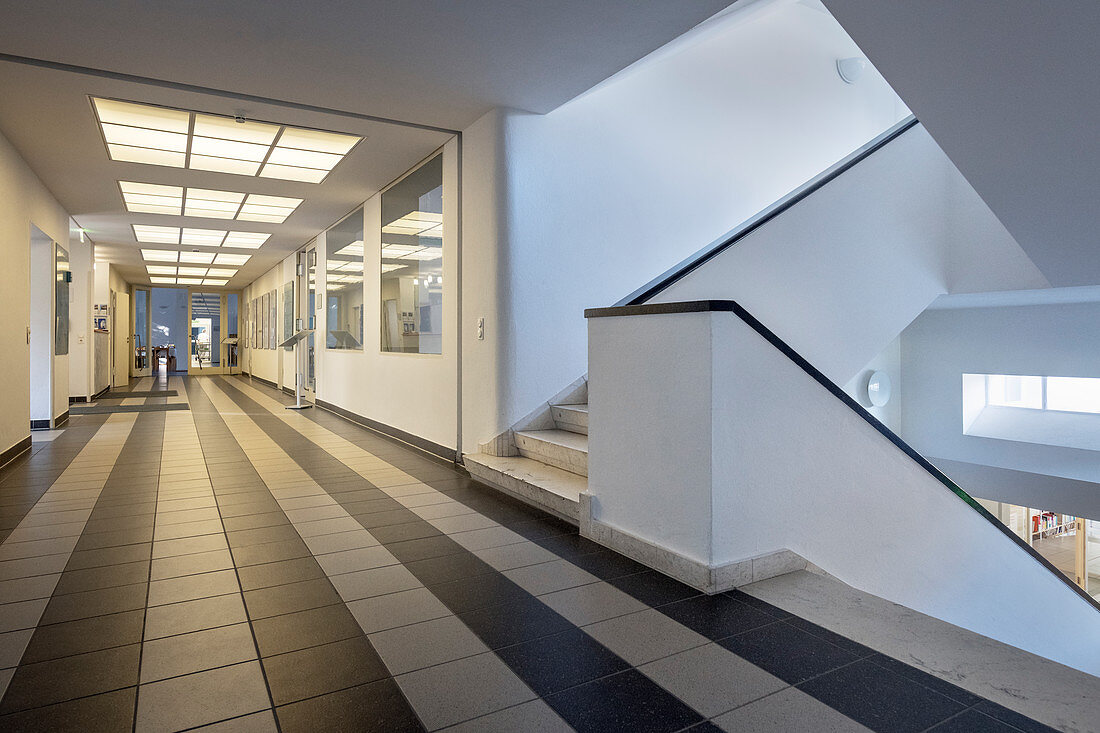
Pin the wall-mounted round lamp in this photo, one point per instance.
(878, 388)
(851, 69)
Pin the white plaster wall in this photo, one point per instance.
(23, 199)
(266, 363)
(945, 343)
(794, 468)
(415, 393)
(81, 341)
(618, 185)
(843, 272)
(41, 360)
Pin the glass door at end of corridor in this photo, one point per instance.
(306, 364)
(213, 329)
(141, 320)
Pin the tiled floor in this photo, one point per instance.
(236, 566)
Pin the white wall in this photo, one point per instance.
(843, 272)
(41, 359)
(791, 467)
(81, 341)
(268, 363)
(23, 200)
(613, 188)
(1042, 339)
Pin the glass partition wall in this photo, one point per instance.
(344, 283)
(412, 262)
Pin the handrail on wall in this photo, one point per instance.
(729, 306)
(712, 250)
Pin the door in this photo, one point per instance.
(141, 314)
(307, 308)
(120, 332)
(206, 318)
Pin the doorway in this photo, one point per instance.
(212, 337)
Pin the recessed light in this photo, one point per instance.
(189, 280)
(245, 240)
(324, 142)
(141, 115)
(203, 237)
(200, 258)
(160, 255)
(224, 165)
(156, 234)
(291, 173)
(160, 269)
(224, 258)
(220, 272)
(162, 280)
(140, 137)
(200, 271)
(219, 283)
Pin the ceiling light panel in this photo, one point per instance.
(230, 259)
(218, 283)
(200, 258)
(245, 240)
(203, 237)
(161, 269)
(221, 272)
(189, 280)
(193, 271)
(159, 255)
(158, 280)
(156, 234)
(151, 198)
(142, 133)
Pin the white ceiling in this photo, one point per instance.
(436, 63)
(1008, 89)
(352, 67)
(48, 117)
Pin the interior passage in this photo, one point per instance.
(191, 555)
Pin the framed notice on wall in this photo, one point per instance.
(273, 317)
(266, 319)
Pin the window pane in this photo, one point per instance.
(344, 283)
(412, 262)
(1073, 394)
(1013, 391)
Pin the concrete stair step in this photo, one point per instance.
(560, 448)
(572, 418)
(546, 487)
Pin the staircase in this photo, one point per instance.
(546, 457)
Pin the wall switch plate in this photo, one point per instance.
(481, 329)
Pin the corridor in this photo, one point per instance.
(193, 555)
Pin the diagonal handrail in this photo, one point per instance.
(712, 250)
(700, 306)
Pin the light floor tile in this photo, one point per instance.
(467, 688)
(413, 647)
(549, 577)
(587, 604)
(197, 651)
(712, 679)
(785, 711)
(201, 698)
(397, 609)
(645, 636)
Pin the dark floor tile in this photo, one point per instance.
(881, 700)
(404, 532)
(378, 706)
(109, 556)
(323, 669)
(843, 642)
(544, 527)
(370, 506)
(97, 525)
(941, 686)
(77, 581)
(569, 546)
(500, 626)
(270, 552)
(972, 721)
(705, 727)
(293, 631)
(279, 573)
(553, 663)
(628, 702)
(449, 568)
(1004, 715)
(262, 535)
(254, 521)
(653, 588)
(246, 508)
(605, 564)
(290, 598)
(58, 680)
(774, 611)
(95, 603)
(421, 549)
(716, 616)
(478, 592)
(790, 654)
(110, 712)
(54, 641)
(388, 518)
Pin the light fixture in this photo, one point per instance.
(218, 283)
(156, 234)
(189, 280)
(878, 388)
(274, 209)
(153, 198)
(851, 69)
(245, 240)
(161, 269)
(202, 237)
(143, 133)
(193, 271)
(188, 236)
(162, 280)
(160, 255)
(224, 258)
(221, 272)
(197, 258)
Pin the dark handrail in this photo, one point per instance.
(729, 306)
(712, 250)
